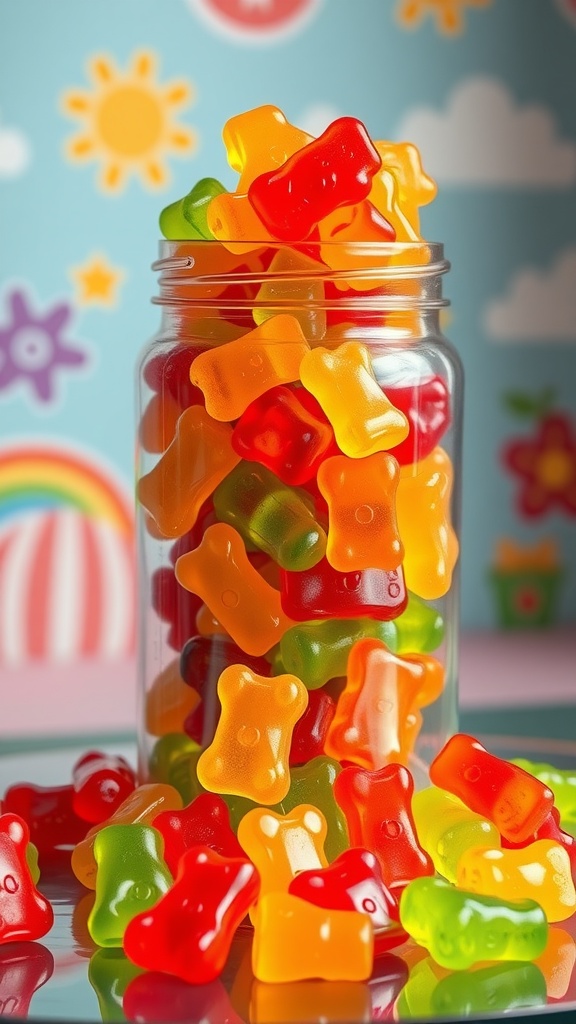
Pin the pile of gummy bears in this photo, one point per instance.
(287, 817)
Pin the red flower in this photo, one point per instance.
(547, 464)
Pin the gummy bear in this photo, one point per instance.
(189, 931)
(249, 753)
(131, 876)
(24, 912)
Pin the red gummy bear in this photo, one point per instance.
(24, 912)
(311, 729)
(101, 783)
(389, 975)
(283, 432)
(24, 968)
(204, 822)
(293, 198)
(189, 931)
(55, 829)
(352, 882)
(378, 810)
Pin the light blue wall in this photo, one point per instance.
(505, 209)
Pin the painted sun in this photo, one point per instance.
(449, 14)
(129, 122)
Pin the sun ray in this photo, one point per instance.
(77, 103)
(178, 94)
(80, 147)
(182, 140)
(143, 65)
(155, 174)
(112, 177)
(102, 70)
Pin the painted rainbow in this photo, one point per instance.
(35, 477)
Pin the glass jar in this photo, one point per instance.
(298, 491)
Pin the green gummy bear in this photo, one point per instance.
(318, 650)
(110, 972)
(32, 862)
(495, 989)
(183, 775)
(313, 783)
(420, 627)
(272, 515)
(562, 782)
(167, 750)
(461, 928)
(186, 219)
(131, 877)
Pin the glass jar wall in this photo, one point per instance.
(298, 504)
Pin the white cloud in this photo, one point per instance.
(316, 118)
(484, 137)
(14, 152)
(540, 306)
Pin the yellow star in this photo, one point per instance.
(97, 282)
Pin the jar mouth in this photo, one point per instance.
(394, 274)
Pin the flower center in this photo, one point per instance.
(555, 469)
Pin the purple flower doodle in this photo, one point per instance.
(32, 348)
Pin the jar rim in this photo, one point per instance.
(370, 268)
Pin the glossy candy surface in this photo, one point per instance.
(343, 382)
(447, 828)
(260, 140)
(139, 808)
(377, 805)
(294, 940)
(282, 432)
(352, 882)
(515, 801)
(378, 716)
(271, 515)
(189, 931)
(101, 782)
(322, 592)
(248, 608)
(423, 511)
(362, 530)
(24, 912)
(460, 928)
(233, 375)
(204, 822)
(540, 872)
(317, 651)
(131, 876)
(186, 218)
(250, 750)
(280, 846)
(291, 200)
(173, 498)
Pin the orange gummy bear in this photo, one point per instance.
(360, 493)
(260, 140)
(234, 222)
(282, 845)
(378, 716)
(246, 606)
(233, 375)
(139, 808)
(414, 188)
(423, 511)
(169, 701)
(249, 755)
(190, 469)
(294, 940)
(158, 422)
(343, 382)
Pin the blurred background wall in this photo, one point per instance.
(108, 111)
